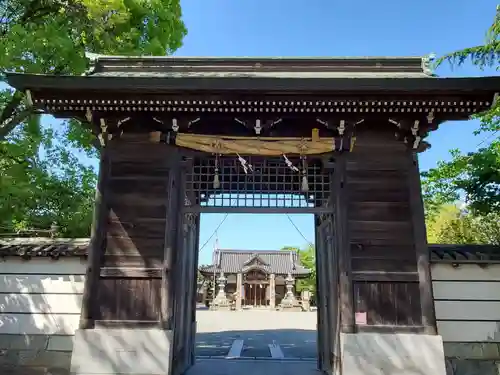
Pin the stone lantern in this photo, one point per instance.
(221, 302)
(289, 282)
(290, 302)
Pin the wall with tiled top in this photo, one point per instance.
(467, 302)
(40, 308)
(40, 301)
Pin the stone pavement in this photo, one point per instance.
(256, 334)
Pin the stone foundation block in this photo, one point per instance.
(121, 351)
(456, 366)
(391, 354)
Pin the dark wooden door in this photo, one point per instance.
(255, 295)
(249, 294)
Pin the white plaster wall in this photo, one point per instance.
(40, 296)
(467, 302)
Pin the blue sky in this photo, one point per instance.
(331, 28)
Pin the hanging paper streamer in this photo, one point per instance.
(246, 166)
(290, 164)
(305, 183)
(216, 183)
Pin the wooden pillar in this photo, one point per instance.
(324, 331)
(173, 206)
(421, 248)
(194, 265)
(190, 280)
(239, 287)
(97, 242)
(181, 317)
(342, 244)
(272, 291)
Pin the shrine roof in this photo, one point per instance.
(279, 262)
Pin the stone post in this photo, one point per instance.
(306, 300)
(239, 287)
(289, 282)
(272, 291)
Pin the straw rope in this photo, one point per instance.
(269, 146)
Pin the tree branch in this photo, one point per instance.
(11, 123)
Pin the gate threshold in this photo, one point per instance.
(267, 359)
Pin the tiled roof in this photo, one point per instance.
(234, 260)
(272, 261)
(464, 254)
(259, 67)
(43, 247)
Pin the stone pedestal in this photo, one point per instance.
(394, 354)
(221, 302)
(121, 351)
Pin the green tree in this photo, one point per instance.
(42, 182)
(452, 225)
(41, 179)
(52, 36)
(307, 257)
(476, 175)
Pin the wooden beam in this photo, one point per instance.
(97, 242)
(342, 245)
(421, 248)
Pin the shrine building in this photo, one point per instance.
(256, 278)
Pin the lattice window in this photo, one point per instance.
(258, 182)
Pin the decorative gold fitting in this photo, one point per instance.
(353, 142)
(155, 137)
(315, 135)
